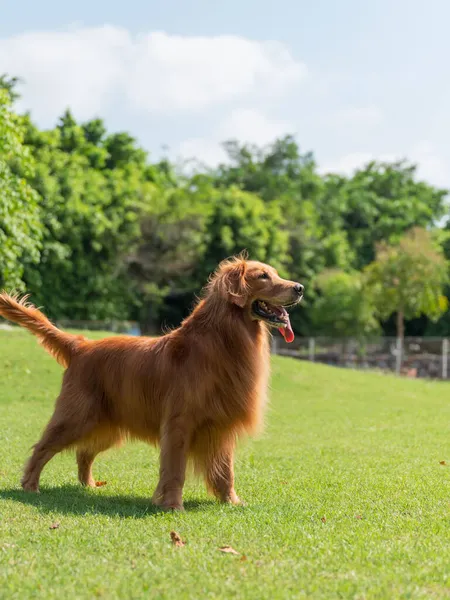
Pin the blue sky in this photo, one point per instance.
(352, 80)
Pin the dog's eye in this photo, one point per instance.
(264, 276)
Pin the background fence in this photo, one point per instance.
(415, 357)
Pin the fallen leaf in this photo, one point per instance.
(176, 539)
(228, 550)
(54, 525)
(323, 519)
(442, 462)
(100, 483)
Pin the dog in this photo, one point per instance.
(193, 391)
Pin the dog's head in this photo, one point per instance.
(258, 289)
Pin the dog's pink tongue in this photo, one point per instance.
(287, 332)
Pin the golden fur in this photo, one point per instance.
(192, 391)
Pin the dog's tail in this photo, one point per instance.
(59, 344)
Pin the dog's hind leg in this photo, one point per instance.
(68, 424)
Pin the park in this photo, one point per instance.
(257, 199)
(346, 495)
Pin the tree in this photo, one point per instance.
(96, 192)
(441, 327)
(281, 174)
(242, 221)
(342, 308)
(186, 231)
(10, 84)
(20, 227)
(169, 247)
(122, 150)
(278, 170)
(95, 230)
(90, 217)
(407, 278)
(381, 202)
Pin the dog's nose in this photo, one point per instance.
(299, 289)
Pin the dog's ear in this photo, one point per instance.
(237, 287)
(232, 282)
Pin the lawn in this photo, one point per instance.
(345, 498)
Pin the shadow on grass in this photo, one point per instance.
(76, 500)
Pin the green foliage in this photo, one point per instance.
(441, 326)
(343, 308)
(408, 278)
(187, 230)
(382, 201)
(170, 245)
(90, 217)
(95, 230)
(239, 221)
(20, 229)
(282, 175)
(9, 84)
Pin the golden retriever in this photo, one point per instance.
(193, 391)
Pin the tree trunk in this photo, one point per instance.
(400, 324)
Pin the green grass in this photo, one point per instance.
(346, 498)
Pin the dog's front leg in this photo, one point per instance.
(175, 439)
(220, 474)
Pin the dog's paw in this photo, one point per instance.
(167, 505)
(92, 483)
(30, 486)
(233, 498)
(235, 502)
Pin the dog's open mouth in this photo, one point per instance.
(275, 316)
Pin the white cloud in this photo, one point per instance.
(106, 71)
(78, 68)
(358, 116)
(246, 125)
(349, 163)
(93, 69)
(431, 166)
